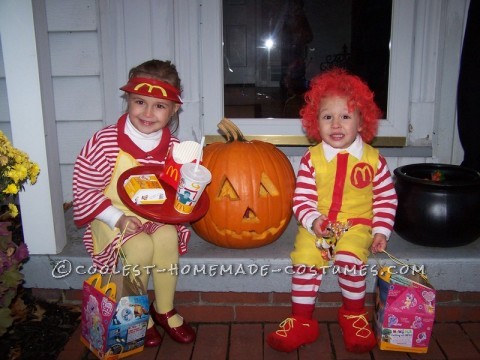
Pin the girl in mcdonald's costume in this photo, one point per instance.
(345, 203)
(142, 136)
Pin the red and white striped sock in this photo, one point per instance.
(351, 279)
(305, 285)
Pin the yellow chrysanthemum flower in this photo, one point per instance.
(33, 173)
(12, 208)
(11, 189)
(16, 169)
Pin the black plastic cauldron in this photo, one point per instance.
(442, 213)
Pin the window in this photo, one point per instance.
(235, 73)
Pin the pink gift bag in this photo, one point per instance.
(404, 311)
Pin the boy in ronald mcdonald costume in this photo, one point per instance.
(345, 203)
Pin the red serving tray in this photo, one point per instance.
(164, 213)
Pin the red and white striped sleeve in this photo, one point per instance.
(92, 174)
(384, 200)
(305, 196)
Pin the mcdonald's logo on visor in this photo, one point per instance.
(362, 175)
(153, 88)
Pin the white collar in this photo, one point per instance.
(355, 149)
(133, 132)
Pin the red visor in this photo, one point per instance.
(153, 88)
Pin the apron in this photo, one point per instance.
(105, 240)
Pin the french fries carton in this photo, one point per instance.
(179, 154)
(145, 189)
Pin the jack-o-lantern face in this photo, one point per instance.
(250, 194)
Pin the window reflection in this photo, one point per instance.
(272, 48)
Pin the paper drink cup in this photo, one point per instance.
(191, 186)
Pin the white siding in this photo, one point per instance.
(4, 115)
(78, 98)
(73, 15)
(76, 75)
(74, 53)
(73, 135)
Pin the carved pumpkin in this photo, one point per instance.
(250, 193)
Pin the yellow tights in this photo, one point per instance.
(159, 250)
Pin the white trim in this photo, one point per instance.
(212, 69)
(29, 88)
(211, 58)
(396, 123)
(455, 14)
(186, 58)
(112, 50)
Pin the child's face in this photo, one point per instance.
(149, 114)
(338, 127)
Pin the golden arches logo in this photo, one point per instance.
(362, 175)
(150, 88)
(196, 186)
(172, 172)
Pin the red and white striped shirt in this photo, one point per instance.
(95, 163)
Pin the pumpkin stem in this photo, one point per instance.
(231, 130)
(225, 131)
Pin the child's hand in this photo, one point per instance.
(128, 223)
(379, 243)
(319, 226)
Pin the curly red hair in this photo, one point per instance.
(338, 82)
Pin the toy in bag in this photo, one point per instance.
(404, 310)
(114, 314)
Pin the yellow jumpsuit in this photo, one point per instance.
(345, 193)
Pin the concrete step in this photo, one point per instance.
(209, 268)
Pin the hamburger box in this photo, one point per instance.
(145, 189)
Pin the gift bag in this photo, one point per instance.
(404, 310)
(114, 314)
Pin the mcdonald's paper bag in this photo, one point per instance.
(114, 316)
(404, 312)
(179, 154)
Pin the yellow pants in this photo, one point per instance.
(357, 240)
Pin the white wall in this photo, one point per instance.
(73, 34)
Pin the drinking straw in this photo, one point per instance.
(199, 156)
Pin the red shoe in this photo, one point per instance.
(293, 332)
(358, 335)
(183, 334)
(152, 337)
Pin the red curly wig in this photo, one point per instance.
(338, 82)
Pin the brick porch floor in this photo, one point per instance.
(238, 341)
